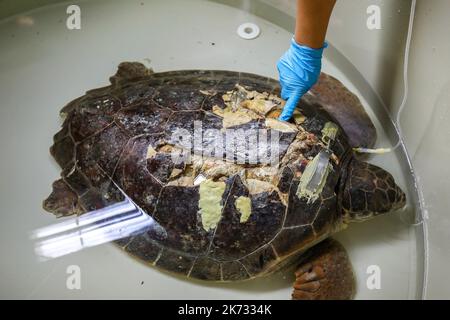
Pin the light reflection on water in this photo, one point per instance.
(44, 66)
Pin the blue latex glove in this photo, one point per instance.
(299, 70)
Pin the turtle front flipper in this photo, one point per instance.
(346, 109)
(62, 201)
(325, 273)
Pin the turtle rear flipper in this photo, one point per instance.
(346, 109)
(62, 201)
(325, 273)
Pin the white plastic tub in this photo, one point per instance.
(43, 65)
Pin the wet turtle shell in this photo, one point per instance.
(244, 219)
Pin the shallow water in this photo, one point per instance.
(43, 65)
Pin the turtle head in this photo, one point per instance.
(369, 191)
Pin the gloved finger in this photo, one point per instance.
(290, 106)
(285, 93)
(282, 63)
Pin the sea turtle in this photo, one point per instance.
(191, 149)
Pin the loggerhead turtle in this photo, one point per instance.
(228, 210)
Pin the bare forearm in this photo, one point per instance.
(312, 21)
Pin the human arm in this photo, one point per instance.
(300, 66)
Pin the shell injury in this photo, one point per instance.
(314, 177)
(210, 203)
(151, 152)
(243, 106)
(244, 206)
(329, 132)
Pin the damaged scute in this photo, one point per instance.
(314, 177)
(243, 106)
(210, 203)
(329, 132)
(244, 206)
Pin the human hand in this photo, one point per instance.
(299, 70)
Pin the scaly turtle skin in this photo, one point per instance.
(244, 219)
